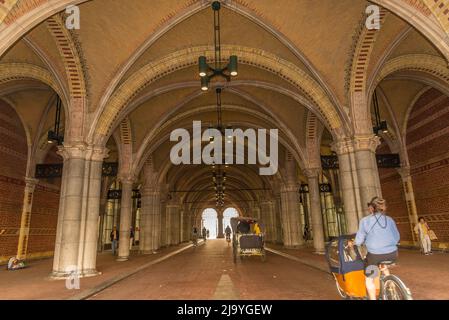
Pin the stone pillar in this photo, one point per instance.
(315, 208)
(186, 226)
(291, 224)
(77, 229)
(163, 222)
(25, 220)
(368, 174)
(125, 218)
(220, 233)
(409, 193)
(349, 184)
(278, 218)
(267, 216)
(151, 221)
(173, 221)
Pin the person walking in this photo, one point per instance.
(204, 233)
(131, 238)
(423, 231)
(195, 236)
(114, 239)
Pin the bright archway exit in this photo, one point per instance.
(227, 215)
(210, 222)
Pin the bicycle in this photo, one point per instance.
(391, 286)
(228, 239)
(348, 268)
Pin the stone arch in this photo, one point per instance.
(188, 57)
(424, 63)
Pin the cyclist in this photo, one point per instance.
(381, 237)
(228, 234)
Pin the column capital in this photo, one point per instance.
(126, 179)
(75, 150)
(97, 153)
(369, 142)
(312, 172)
(31, 182)
(81, 150)
(404, 172)
(344, 146)
(290, 187)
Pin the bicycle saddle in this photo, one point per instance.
(387, 263)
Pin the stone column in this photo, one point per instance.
(151, 219)
(291, 224)
(349, 184)
(409, 193)
(173, 219)
(77, 230)
(368, 174)
(267, 216)
(25, 220)
(220, 234)
(186, 226)
(315, 207)
(125, 218)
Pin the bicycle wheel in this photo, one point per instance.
(392, 288)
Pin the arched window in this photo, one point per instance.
(227, 215)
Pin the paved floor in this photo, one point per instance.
(208, 272)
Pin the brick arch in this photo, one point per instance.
(188, 57)
(24, 71)
(313, 140)
(363, 48)
(429, 64)
(440, 9)
(70, 57)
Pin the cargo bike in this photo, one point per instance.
(347, 266)
(247, 238)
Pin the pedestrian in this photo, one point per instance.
(424, 233)
(114, 239)
(204, 233)
(131, 238)
(207, 233)
(195, 236)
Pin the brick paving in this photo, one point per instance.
(208, 272)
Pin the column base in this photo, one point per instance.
(319, 252)
(296, 246)
(62, 275)
(148, 252)
(121, 259)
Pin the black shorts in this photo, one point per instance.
(376, 259)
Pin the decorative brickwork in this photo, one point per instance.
(393, 191)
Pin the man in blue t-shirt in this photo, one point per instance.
(381, 237)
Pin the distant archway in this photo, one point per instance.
(210, 222)
(227, 215)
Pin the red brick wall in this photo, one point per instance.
(44, 213)
(427, 146)
(13, 161)
(393, 192)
